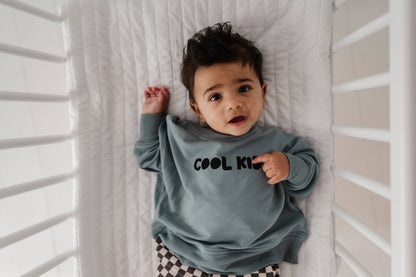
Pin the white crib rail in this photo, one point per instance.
(365, 182)
(32, 141)
(45, 267)
(372, 235)
(365, 31)
(375, 81)
(32, 10)
(351, 261)
(29, 53)
(364, 133)
(403, 128)
(32, 97)
(401, 136)
(45, 181)
(32, 185)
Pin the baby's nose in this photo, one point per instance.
(233, 103)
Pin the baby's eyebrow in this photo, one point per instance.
(242, 80)
(212, 88)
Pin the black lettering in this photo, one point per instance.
(205, 163)
(196, 166)
(224, 164)
(241, 162)
(249, 164)
(215, 163)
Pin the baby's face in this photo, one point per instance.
(228, 97)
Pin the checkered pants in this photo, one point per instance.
(170, 266)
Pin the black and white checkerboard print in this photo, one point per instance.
(170, 266)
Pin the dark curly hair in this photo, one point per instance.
(217, 44)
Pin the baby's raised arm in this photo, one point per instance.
(156, 100)
(146, 149)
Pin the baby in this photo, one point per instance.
(224, 194)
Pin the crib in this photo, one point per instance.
(372, 133)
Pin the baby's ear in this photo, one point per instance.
(264, 89)
(195, 108)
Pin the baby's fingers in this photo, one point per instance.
(270, 172)
(261, 159)
(152, 92)
(153, 89)
(165, 92)
(274, 180)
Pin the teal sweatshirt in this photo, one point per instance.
(213, 207)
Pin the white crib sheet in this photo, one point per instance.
(117, 48)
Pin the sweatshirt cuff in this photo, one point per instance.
(149, 126)
(298, 171)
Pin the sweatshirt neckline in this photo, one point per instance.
(209, 133)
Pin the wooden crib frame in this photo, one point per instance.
(401, 21)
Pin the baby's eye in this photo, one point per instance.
(215, 97)
(244, 89)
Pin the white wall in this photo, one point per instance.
(366, 108)
(24, 119)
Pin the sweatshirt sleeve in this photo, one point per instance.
(304, 168)
(146, 149)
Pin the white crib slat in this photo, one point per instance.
(379, 240)
(351, 261)
(16, 4)
(29, 53)
(365, 133)
(367, 183)
(34, 229)
(403, 148)
(363, 32)
(374, 81)
(37, 184)
(45, 267)
(32, 97)
(29, 235)
(33, 141)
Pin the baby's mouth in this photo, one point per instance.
(237, 119)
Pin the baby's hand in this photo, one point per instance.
(276, 166)
(156, 100)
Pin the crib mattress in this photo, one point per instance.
(118, 48)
